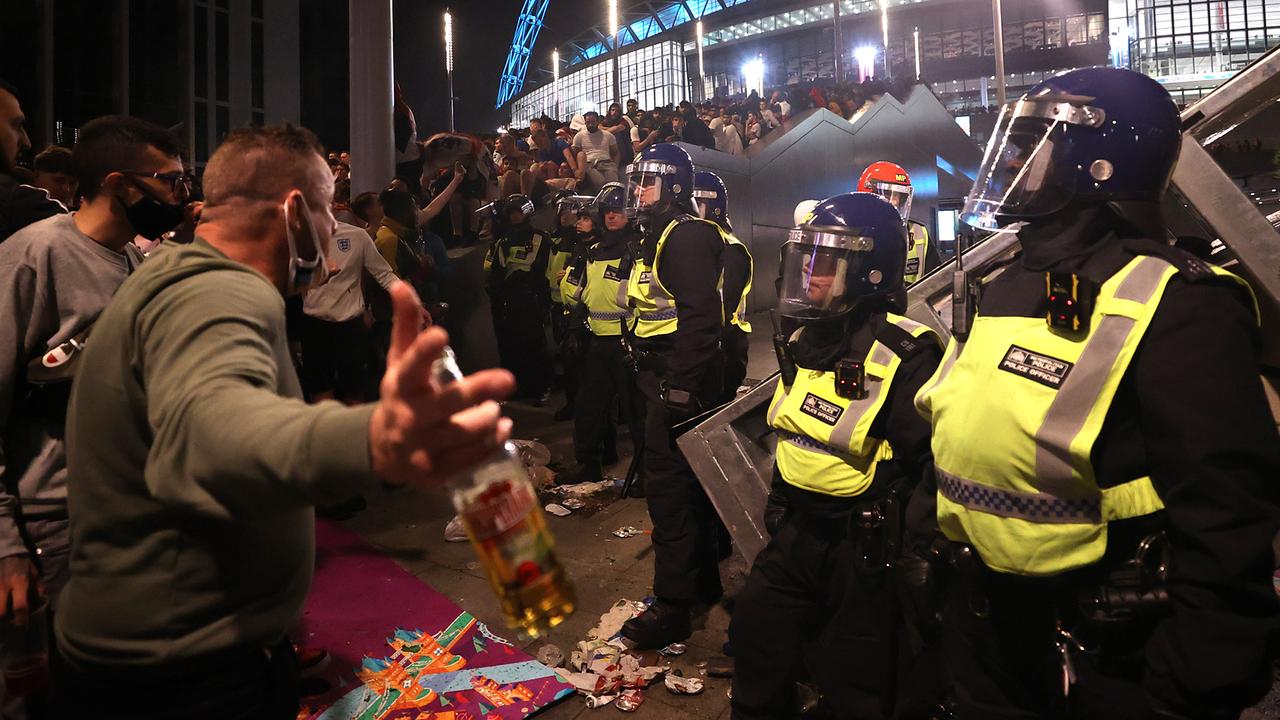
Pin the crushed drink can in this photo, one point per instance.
(630, 700)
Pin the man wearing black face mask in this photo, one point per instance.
(195, 464)
(60, 272)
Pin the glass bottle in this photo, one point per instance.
(504, 521)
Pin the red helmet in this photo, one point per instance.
(891, 182)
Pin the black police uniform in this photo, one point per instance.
(810, 583)
(689, 359)
(1189, 413)
(564, 242)
(522, 299)
(735, 342)
(606, 382)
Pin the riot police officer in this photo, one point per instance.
(1105, 460)
(711, 200)
(678, 321)
(891, 182)
(564, 246)
(517, 268)
(850, 448)
(596, 282)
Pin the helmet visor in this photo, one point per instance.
(814, 270)
(1020, 176)
(701, 200)
(898, 195)
(644, 191)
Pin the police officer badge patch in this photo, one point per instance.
(611, 273)
(1048, 371)
(814, 406)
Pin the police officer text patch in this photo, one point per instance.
(814, 406)
(1048, 371)
(611, 273)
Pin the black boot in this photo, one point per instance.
(580, 473)
(609, 457)
(659, 626)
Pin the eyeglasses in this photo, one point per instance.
(175, 179)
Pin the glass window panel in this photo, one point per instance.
(1097, 28)
(951, 43)
(1181, 18)
(1033, 35)
(1052, 32)
(1076, 30)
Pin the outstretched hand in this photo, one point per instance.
(423, 433)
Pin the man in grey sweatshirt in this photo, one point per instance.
(195, 465)
(58, 275)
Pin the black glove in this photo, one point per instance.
(774, 510)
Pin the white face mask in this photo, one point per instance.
(303, 274)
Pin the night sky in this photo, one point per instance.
(482, 37)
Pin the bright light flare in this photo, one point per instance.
(753, 74)
(448, 41)
(702, 71)
(613, 21)
(884, 22)
(866, 57)
(916, 34)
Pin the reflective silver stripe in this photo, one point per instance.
(1070, 408)
(605, 315)
(842, 433)
(945, 370)
(805, 442)
(776, 406)
(659, 315)
(622, 298)
(1036, 507)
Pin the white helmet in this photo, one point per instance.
(802, 211)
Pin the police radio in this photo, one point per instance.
(786, 366)
(963, 302)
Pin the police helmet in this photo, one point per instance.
(612, 197)
(519, 202)
(659, 179)
(710, 198)
(851, 248)
(1095, 134)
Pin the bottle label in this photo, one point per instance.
(499, 508)
(511, 535)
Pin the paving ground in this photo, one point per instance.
(409, 526)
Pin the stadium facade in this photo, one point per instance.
(1190, 46)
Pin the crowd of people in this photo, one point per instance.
(591, 149)
(1065, 511)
